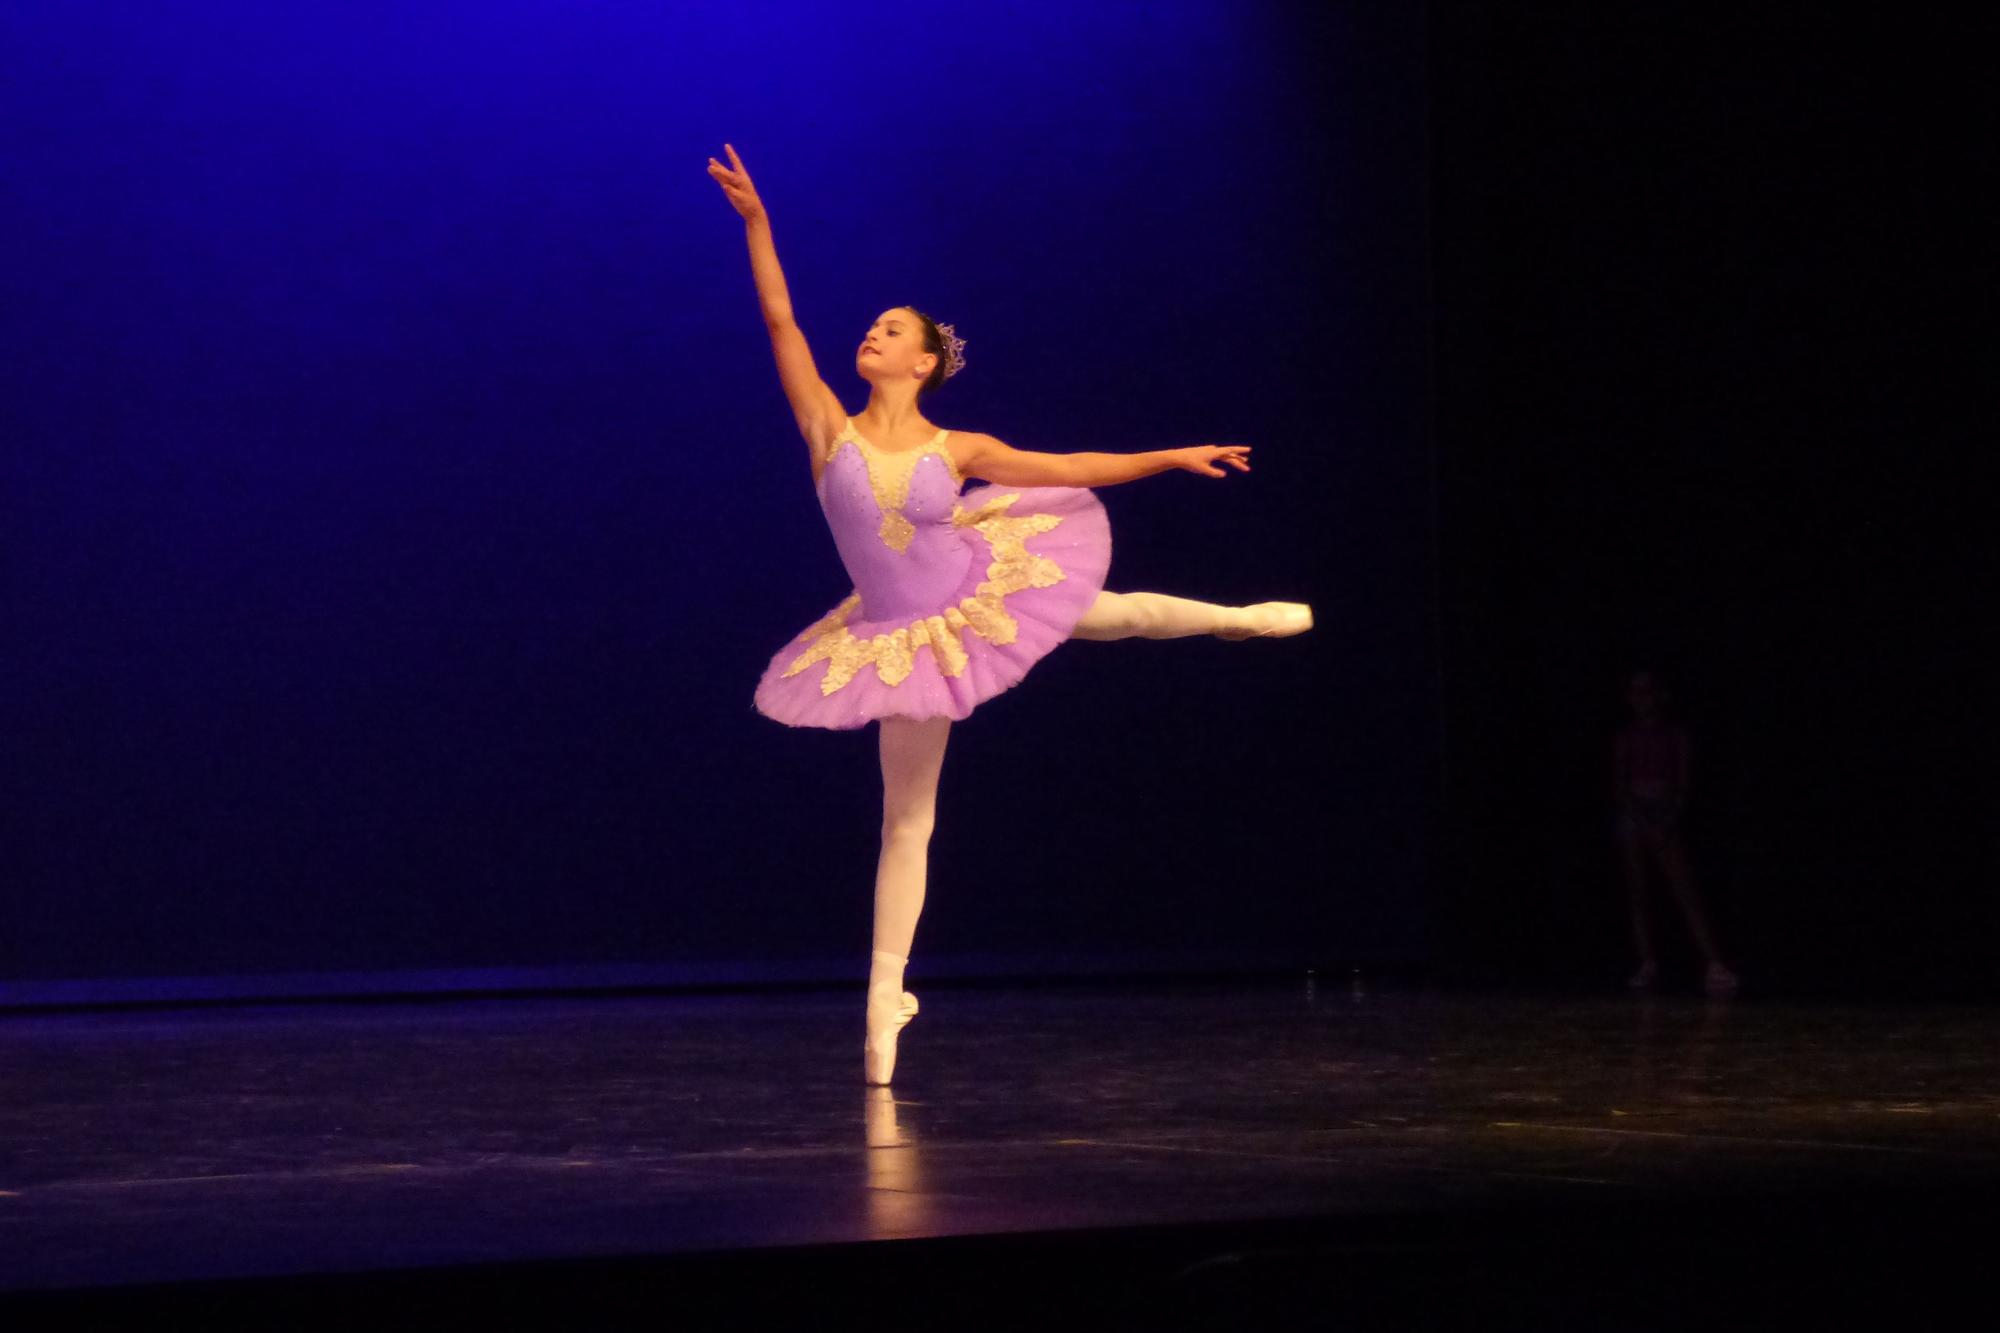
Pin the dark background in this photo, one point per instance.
(1703, 279)
(401, 503)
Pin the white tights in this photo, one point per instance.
(913, 756)
(1153, 615)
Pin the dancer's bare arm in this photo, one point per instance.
(988, 459)
(818, 411)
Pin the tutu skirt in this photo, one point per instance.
(1039, 559)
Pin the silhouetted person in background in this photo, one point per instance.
(1650, 770)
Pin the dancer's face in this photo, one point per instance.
(893, 348)
(1643, 694)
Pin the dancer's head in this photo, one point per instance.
(903, 346)
(1645, 694)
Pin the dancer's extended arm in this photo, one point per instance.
(818, 411)
(986, 458)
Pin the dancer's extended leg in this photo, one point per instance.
(1153, 615)
(912, 758)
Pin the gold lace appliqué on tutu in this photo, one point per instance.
(894, 653)
(889, 473)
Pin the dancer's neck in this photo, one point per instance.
(891, 417)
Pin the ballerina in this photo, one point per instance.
(955, 596)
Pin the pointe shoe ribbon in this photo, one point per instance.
(878, 1052)
(1272, 620)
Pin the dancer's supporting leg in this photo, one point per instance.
(912, 758)
(1153, 615)
(1633, 856)
(1674, 863)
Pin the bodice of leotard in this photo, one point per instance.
(890, 512)
(1652, 762)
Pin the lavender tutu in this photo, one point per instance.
(955, 596)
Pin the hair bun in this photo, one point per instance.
(954, 350)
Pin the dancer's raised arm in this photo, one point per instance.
(988, 459)
(819, 413)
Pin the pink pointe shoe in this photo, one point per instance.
(1271, 620)
(878, 1052)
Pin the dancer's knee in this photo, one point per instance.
(1142, 614)
(908, 827)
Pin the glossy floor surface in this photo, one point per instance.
(217, 1143)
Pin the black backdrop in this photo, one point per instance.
(1702, 400)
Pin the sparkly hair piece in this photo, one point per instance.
(954, 350)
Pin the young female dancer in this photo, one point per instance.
(1649, 782)
(955, 597)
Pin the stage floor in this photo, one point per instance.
(158, 1146)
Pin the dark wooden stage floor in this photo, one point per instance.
(1106, 1155)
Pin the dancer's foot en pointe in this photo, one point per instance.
(890, 1007)
(1268, 620)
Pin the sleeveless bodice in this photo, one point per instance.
(1653, 759)
(955, 595)
(890, 512)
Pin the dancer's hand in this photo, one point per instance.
(1203, 458)
(736, 185)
